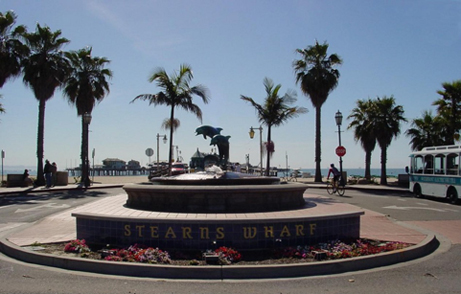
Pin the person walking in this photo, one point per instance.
(54, 169)
(47, 170)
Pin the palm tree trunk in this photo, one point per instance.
(170, 155)
(318, 172)
(85, 179)
(40, 136)
(268, 161)
(453, 119)
(367, 165)
(383, 165)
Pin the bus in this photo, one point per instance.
(435, 171)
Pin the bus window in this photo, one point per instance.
(428, 164)
(452, 164)
(439, 166)
(417, 165)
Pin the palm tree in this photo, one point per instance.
(167, 124)
(86, 85)
(449, 107)
(427, 131)
(386, 118)
(363, 130)
(45, 68)
(317, 76)
(177, 92)
(11, 48)
(275, 111)
(2, 110)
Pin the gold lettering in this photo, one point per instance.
(299, 230)
(154, 232)
(170, 232)
(249, 232)
(186, 233)
(269, 232)
(204, 233)
(127, 231)
(313, 227)
(220, 233)
(285, 232)
(140, 228)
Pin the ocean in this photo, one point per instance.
(376, 172)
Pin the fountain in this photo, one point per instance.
(215, 208)
(210, 192)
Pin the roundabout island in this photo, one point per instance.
(209, 210)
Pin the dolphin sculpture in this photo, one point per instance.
(207, 130)
(223, 147)
(220, 140)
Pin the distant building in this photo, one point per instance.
(133, 165)
(114, 163)
(199, 160)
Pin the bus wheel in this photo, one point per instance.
(452, 195)
(417, 191)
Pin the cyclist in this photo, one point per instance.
(336, 174)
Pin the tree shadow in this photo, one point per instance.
(25, 198)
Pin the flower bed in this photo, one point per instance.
(226, 256)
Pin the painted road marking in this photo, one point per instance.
(410, 208)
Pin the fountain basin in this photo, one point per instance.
(214, 198)
(123, 226)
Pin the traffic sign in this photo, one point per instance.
(340, 151)
(149, 152)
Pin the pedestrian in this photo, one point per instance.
(27, 181)
(54, 169)
(47, 170)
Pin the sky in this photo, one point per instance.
(405, 49)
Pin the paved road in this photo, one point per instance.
(400, 206)
(438, 273)
(34, 206)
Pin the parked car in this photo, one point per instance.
(178, 168)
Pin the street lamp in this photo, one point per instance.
(177, 152)
(339, 120)
(85, 160)
(3, 156)
(164, 142)
(252, 135)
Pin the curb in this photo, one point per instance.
(232, 272)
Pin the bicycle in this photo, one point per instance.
(336, 188)
(293, 177)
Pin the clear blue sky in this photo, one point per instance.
(402, 48)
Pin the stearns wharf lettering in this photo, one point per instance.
(205, 233)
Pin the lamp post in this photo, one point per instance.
(339, 120)
(164, 142)
(252, 135)
(86, 119)
(177, 152)
(3, 156)
(92, 155)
